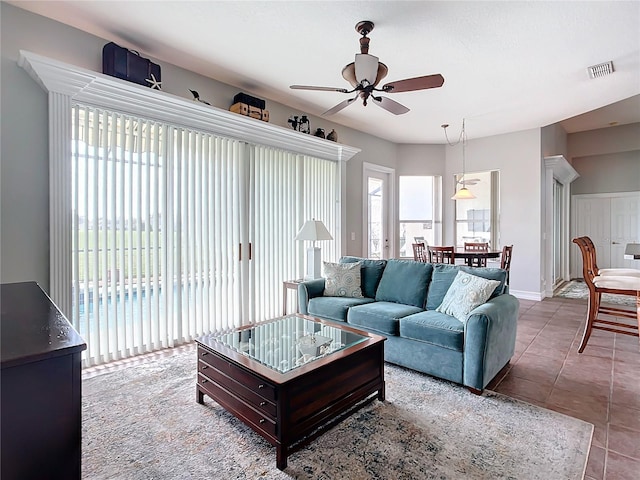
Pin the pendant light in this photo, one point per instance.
(464, 193)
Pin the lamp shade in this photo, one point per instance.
(463, 194)
(366, 67)
(313, 230)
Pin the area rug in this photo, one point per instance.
(579, 289)
(142, 422)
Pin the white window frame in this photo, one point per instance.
(436, 214)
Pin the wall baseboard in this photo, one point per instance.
(524, 295)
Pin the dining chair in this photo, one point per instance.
(632, 272)
(599, 284)
(419, 252)
(442, 255)
(476, 247)
(505, 260)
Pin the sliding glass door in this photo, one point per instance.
(177, 233)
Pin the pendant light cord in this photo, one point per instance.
(462, 138)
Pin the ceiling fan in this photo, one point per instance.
(364, 75)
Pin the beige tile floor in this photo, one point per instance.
(600, 385)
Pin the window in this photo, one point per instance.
(419, 212)
(376, 218)
(477, 219)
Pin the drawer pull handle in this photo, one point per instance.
(262, 420)
(204, 367)
(204, 353)
(204, 380)
(262, 404)
(261, 385)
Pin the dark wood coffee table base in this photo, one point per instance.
(309, 399)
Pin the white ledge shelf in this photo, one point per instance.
(101, 90)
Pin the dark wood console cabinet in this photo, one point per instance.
(41, 387)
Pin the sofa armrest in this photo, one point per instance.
(490, 339)
(308, 290)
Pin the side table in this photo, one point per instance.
(286, 286)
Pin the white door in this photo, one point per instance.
(377, 228)
(593, 217)
(612, 221)
(625, 228)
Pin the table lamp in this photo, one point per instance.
(312, 231)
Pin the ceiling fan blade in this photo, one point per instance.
(390, 105)
(469, 181)
(366, 68)
(322, 89)
(417, 83)
(340, 106)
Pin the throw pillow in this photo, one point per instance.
(466, 293)
(342, 280)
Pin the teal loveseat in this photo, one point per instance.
(399, 300)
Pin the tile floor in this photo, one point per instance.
(600, 385)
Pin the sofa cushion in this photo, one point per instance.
(380, 316)
(334, 308)
(443, 276)
(435, 328)
(404, 281)
(466, 293)
(342, 280)
(370, 271)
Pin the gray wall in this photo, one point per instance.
(612, 173)
(608, 159)
(517, 157)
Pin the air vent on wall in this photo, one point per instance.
(600, 70)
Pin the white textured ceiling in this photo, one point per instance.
(508, 66)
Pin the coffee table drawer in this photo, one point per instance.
(252, 398)
(246, 378)
(237, 406)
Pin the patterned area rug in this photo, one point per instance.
(578, 289)
(142, 422)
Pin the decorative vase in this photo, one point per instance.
(319, 133)
(332, 135)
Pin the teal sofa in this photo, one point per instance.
(399, 301)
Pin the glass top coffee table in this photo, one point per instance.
(291, 378)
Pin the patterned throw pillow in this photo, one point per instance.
(466, 293)
(342, 280)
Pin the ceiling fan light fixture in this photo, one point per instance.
(366, 68)
(349, 74)
(382, 72)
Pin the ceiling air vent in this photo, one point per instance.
(600, 70)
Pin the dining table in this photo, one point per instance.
(475, 254)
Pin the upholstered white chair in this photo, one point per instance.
(609, 283)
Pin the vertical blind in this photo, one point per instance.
(177, 233)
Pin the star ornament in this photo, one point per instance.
(153, 83)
